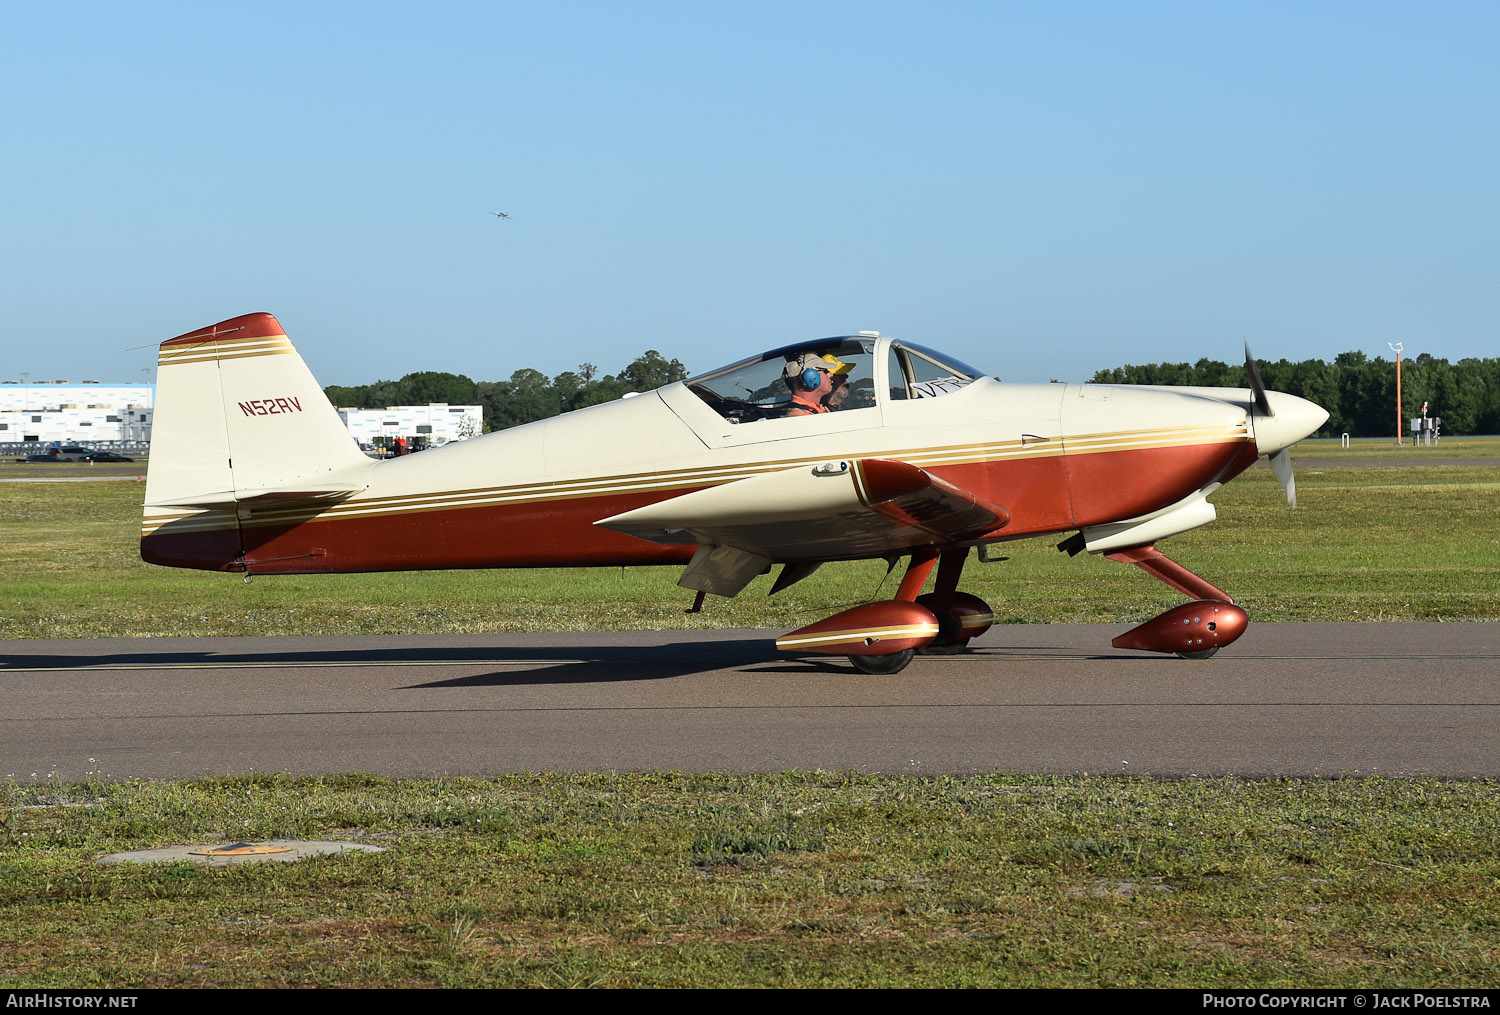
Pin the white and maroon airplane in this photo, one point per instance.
(835, 449)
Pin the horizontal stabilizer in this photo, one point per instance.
(269, 497)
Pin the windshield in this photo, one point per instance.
(917, 372)
(812, 378)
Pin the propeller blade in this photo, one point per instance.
(1281, 464)
(1262, 403)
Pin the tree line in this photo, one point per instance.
(1358, 392)
(528, 396)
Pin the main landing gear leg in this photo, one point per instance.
(960, 616)
(916, 574)
(881, 637)
(911, 584)
(1196, 630)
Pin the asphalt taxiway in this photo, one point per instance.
(1287, 699)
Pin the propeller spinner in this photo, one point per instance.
(1280, 421)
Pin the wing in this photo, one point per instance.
(845, 509)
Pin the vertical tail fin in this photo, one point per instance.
(238, 418)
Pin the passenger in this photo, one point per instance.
(810, 378)
(835, 398)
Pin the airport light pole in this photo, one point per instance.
(1396, 348)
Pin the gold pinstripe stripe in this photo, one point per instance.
(861, 489)
(1182, 428)
(211, 520)
(631, 482)
(226, 349)
(226, 337)
(1144, 445)
(359, 507)
(224, 342)
(920, 630)
(225, 357)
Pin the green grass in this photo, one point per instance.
(806, 879)
(794, 879)
(1386, 448)
(1364, 543)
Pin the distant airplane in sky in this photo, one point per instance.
(501, 214)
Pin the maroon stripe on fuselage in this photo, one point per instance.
(214, 550)
(1113, 485)
(1033, 490)
(557, 533)
(1106, 486)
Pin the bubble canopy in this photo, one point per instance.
(763, 386)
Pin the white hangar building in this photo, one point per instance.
(99, 415)
(39, 412)
(435, 424)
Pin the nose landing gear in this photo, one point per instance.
(1194, 630)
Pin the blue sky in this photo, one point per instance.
(1042, 189)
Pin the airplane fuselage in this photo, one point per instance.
(1057, 456)
(843, 448)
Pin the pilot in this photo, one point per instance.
(810, 378)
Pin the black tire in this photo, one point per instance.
(939, 647)
(951, 637)
(1202, 653)
(883, 665)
